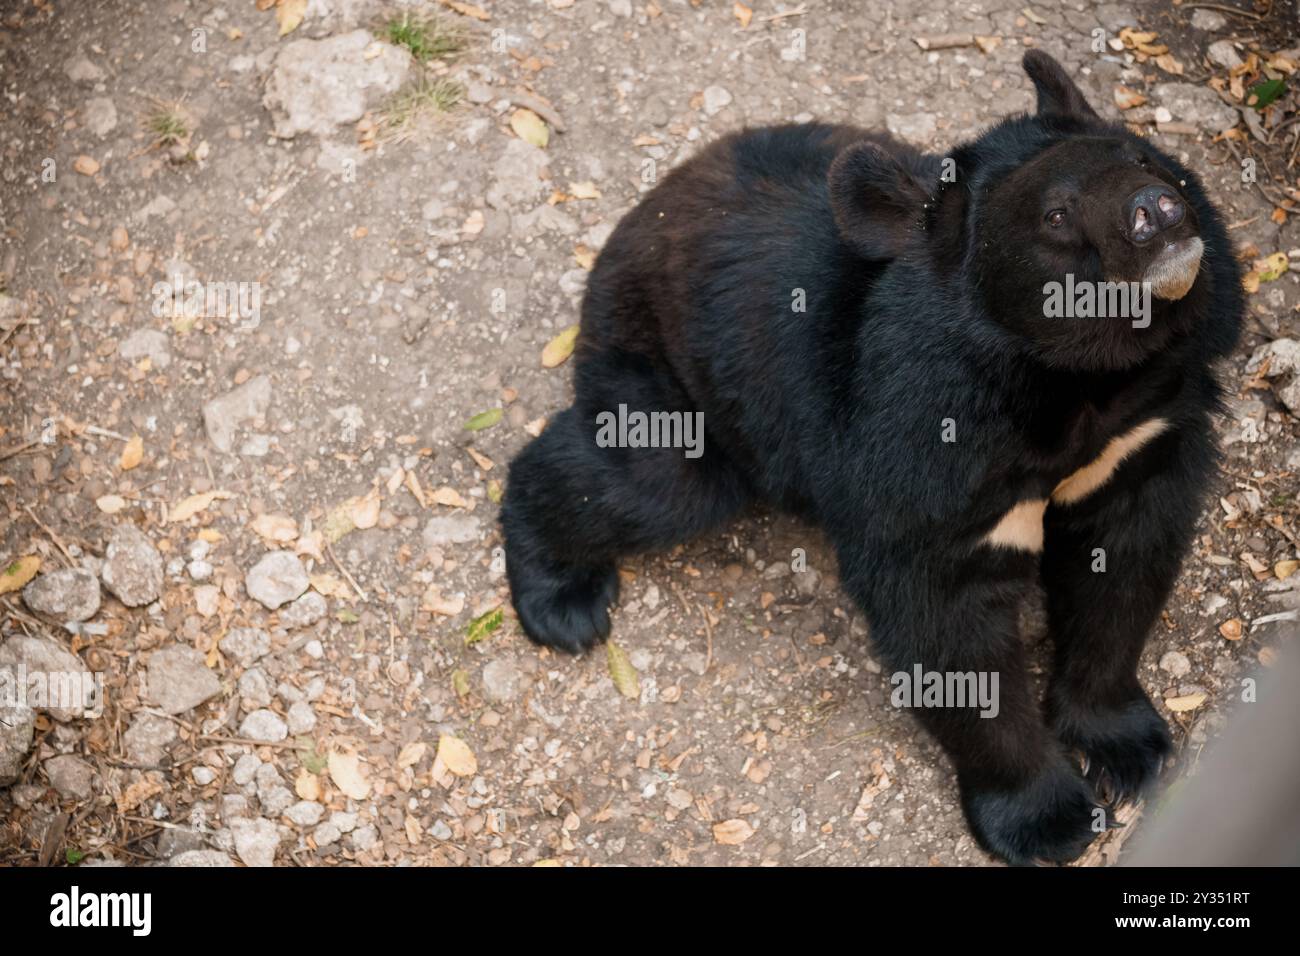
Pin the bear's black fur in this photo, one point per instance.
(917, 400)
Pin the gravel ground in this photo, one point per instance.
(268, 539)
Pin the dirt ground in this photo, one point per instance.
(410, 276)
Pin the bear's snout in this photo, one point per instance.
(1151, 210)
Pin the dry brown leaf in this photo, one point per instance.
(275, 528)
(347, 773)
(188, 507)
(1180, 705)
(622, 672)
(467, 10)
(732, 832)
(412, 754)
(742, 13)
(560, 348)
(289, 14)
(110, 504)
(16, 575)
(1127, 99)
(364, 511)
(413, 485)
(1170, 64)
(448, 496)
(530, 127)
(132, 454)
(310, 545)
(307, 785)
(434, 602)
(149, 785)
(456, 756)
(329, 585)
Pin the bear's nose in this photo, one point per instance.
(1151, 210)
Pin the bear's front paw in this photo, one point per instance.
(567, 609)
(1050, 819)
(1123, 748)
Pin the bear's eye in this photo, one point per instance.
(1055, 217)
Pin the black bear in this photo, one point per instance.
(884, 343)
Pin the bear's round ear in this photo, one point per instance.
(1057, 94)
(876, 201)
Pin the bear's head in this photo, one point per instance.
(1036, 212)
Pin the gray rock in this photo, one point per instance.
(326, 833)
(233, 806)
(1196, 104)
(147, 343)
(450, 529)
(916, 128)
(100, 116)
(440, 830)
(266, 777)
(275, 801)
(246, 768)
(264, 725)
(1208, 20)
(305, 813)
(201, 858)
(255, 446)
(256, 841)
(254, 687)
(573, 282)
(17, 727)
(364, 838)
(246, 644)
(346, 822)
(807, 582)
(305, 611)
(133, 568)
(69, 594)
(716, 99)
(317, 85)
(1283, 356)
(501, 679)
(66, 686)
(147, 739)
(517, 175)
(223, 415)
(203, 775)
(175, 841)
(302, 719)
(276, 579)
(1223, 53)
(179, 680)
(80, 70)
(1289, 395)
(1176, 663)
(70, 776)
(1283, 359)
